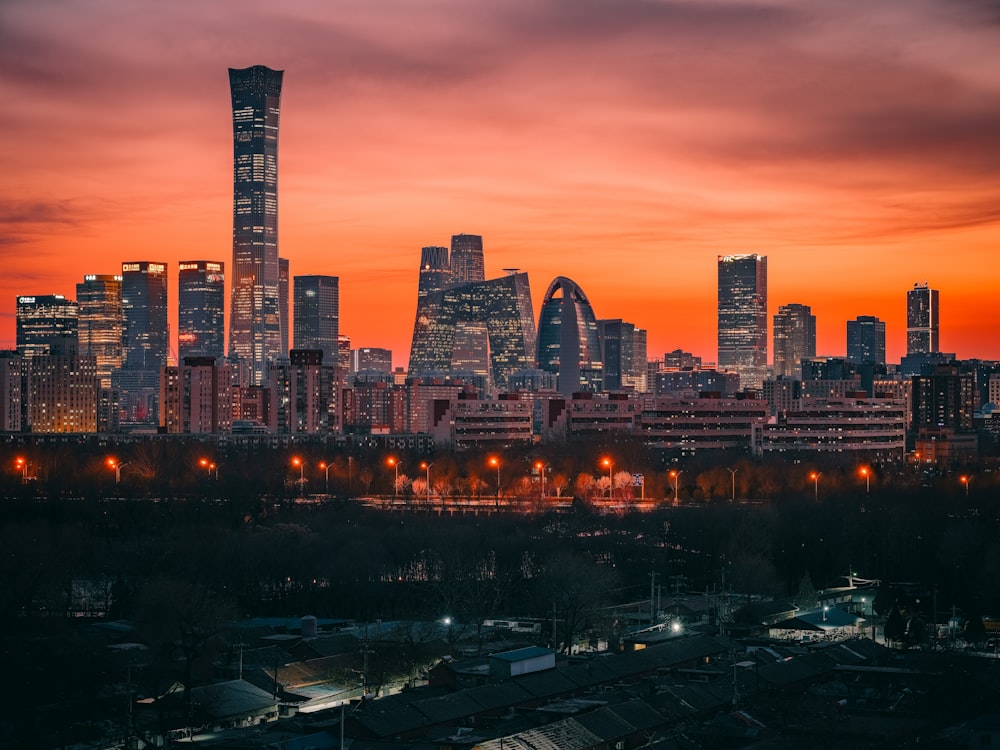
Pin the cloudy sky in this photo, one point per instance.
(623, 143)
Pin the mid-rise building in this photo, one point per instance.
(944, 399)
(63, 391)
(13, 391)
(307, 393)
(742, 306)
(866, 340)
(371, 359)
(794, 339)
(568, 341)
(255, 317)
(623, 353)
(42, 318)
(101, 323)
(484, 424)
(201, 305)
(707, 423)
(317, 315)
(922, 320)
(196, 397)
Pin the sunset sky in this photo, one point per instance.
(623, 143)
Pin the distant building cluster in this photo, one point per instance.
(482, 372)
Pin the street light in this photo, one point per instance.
(607, 462)
(965, 479)
(494, 461)
(815, 477)
(427, 467)
(675, 474)
(733, 472)
(325, 466)
(540, 467)
(210, 467)
(391, 461)
(867, 474)
(826, 609)
(296, 461)
(114, 464)
(21, 464)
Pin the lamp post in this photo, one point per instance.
(296, 461)
(350, 472)
(867, 474)
(494, 461)
(733, 472)
(607, 463)
(815, 477)
(117, 466)
(541, 472)
(675, 474)
(325, 466)
(826, 608)
(21, 464)
(209, 468)
(965, 479)
(395, 482)
(426, 466)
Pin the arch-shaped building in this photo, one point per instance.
(568, 343)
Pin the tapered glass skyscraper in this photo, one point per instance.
(255, 324)
(743, 317)
(317, 315)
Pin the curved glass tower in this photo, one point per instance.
(568, 343)
(255, 324)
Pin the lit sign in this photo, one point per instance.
(213, 266)
(188, 267)
(25, 300)
(157, 267)
(126, 267)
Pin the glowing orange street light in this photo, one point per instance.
(21, 464)
(866, 473)
(113, 463)
(675, 474)
(494, 461)
(540, 468)
(606, 462)
(325, 466)
(815, 477)
(427, 467)
(964, 479)
(391, 461)
(210, 467)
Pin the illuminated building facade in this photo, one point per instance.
(743, 317)
(568, 342)
(196, 397)
(144, 302)
(41, 318)
(922, 320)
(317, 315)
(201, 305)
(691, 424)
(502, 305)
(101, 323)
(371, 359)
(467, 259)
(284, 287)
(866, 340)
(794, 339)
(623, 352)
(255, 318)
(13, 391)
(63, 392)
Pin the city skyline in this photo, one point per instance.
(855, 147)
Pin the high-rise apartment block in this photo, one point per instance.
(866, 340)
(317, 315)
(196, 397)
(743, 317)
(144, 302)
(255, 318)
(201, 305)
(284, 297)
(101, 323)
(922, 320)
(42, 318)
(371, 359)
(794, 339)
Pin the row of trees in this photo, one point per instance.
(173, 468)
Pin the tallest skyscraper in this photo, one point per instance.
(255, 313)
